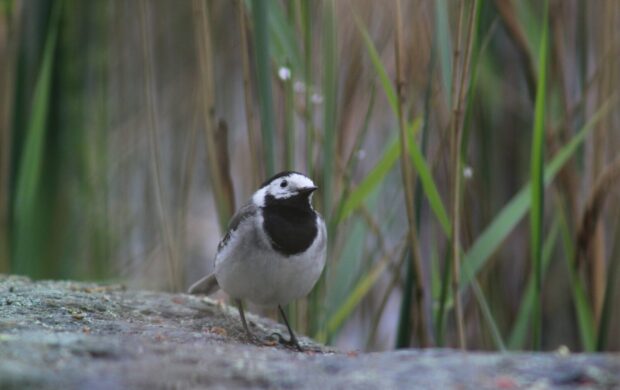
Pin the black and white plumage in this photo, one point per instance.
(274, 249)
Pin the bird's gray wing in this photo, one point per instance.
(208, 284)
(245, 212)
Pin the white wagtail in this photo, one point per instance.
(274, 249)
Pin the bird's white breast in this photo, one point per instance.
(248, 267)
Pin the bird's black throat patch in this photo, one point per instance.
(290, 223)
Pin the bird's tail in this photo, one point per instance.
(207, 285)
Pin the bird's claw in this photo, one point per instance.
(292, 342)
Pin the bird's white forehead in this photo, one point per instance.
(295, 181)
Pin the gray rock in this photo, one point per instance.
(77, 335)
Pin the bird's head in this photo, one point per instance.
(285, 187)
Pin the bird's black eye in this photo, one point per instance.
(283, 183)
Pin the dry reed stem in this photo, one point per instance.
(457, 120)
(567, 177)
(154, 147)
(223, 198)
(596, 263)
(407, 177)
(506, 10)
(591, 214)
(223, 162)
(308, 112)
(455, 136)
(254, 145)
(394, 282)
(189, 163)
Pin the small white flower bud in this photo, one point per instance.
(468, 172)
(284, 73)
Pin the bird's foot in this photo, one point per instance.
(291, 342)
(263, 341)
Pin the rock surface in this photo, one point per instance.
(77, 335)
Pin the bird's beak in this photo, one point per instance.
(307, 190)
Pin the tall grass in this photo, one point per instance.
(537, 174)
(8, 47)
(433, 129)
(412, 235)
(29, 214)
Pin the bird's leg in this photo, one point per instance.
(292, 341)
(242, 315)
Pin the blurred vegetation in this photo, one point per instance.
(466, 153)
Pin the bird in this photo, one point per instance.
(274, 250)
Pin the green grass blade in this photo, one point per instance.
(372, 180)
(585, 317)
(349, 267)
(282, 35)
(488, 316)
(428, 184)
(506, 220)
(613, 276)
(385, 164)
(342, 276)
(362, 287)
(520, 329)
(444, 293)
(403, 332)
(537, 183)
(473, 79)
(384, 79)
(418, 159)
(27, 209)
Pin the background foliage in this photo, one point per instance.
(466, 153)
